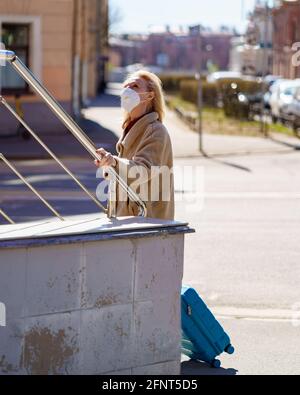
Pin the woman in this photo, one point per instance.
(144, 150)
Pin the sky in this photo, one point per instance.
(138, 15)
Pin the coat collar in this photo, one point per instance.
(137, 130)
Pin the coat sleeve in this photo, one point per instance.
(151, 151)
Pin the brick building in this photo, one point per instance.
(180, 51)
(174, 51)
(126, 49)
(64, 43)
(286, 16)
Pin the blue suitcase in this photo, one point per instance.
(203, 338)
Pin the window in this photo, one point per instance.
(16, 38)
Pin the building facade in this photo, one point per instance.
(173, 50)
(286, 17)
(64, 43)
(252, 53)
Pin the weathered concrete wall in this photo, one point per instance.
(96, 307)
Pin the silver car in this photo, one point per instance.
(281, 97)
(293, 112)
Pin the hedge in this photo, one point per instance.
(189, 92)
(222, 92)
(171, 82)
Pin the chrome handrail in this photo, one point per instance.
(51, 153)
(70, 124)
(5, 216)
(11, 166)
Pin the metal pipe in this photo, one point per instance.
(69, 123)
(30, 187)
(14, 113)
(7, 55)
(8, 219)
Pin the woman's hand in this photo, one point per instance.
(107, 159)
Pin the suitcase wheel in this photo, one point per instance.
(216, 364)
(229, 349)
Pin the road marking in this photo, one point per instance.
(252, 314)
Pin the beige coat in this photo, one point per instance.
(147, 144)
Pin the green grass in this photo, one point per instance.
(176, 101)
(216, 122)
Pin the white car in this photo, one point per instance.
(282, 95)
(293, 111)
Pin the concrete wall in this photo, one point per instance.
(96, 307)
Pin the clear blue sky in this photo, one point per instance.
(138, 15)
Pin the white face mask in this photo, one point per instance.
(130, 99)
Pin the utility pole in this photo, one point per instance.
(264, 125)
(200, 90)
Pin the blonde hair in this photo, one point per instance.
(154, 84)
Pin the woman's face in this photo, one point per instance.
(140, 86)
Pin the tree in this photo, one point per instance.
(115, 16)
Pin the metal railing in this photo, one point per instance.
(19, 175)
(5, 216)
(72, 126)
(51, 153)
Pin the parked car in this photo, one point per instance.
(258, 102)
(282, 94)
(292, 112)
(269, 81)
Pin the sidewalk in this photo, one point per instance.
(102, 124)
(64, 145)
(262, 347)
(186, 142)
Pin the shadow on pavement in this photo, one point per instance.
(197, 368)
(63, 145)
(105, 100)
(295, 147)
(226, 163)
(99, 135)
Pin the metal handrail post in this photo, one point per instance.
(8, 219)
(31, 187)
(51, 153)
